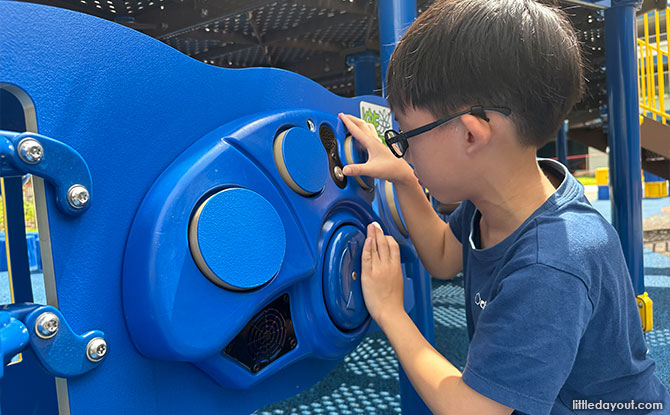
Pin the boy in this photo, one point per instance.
(550, 306)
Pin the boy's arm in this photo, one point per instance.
(436, 380)
(438, 248)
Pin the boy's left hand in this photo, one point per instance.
(381, 278)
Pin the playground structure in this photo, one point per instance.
(139, 169)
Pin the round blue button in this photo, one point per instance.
(301, 160)
(342, 278)
(237, 239)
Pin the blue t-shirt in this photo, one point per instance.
(551, 310)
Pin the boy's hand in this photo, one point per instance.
(381, 276)
(381, 163)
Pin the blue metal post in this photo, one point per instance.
(394, 16)
(562, 144)
(624, 133)
(422, 315)
(365, 73)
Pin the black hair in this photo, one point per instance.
(520, 54)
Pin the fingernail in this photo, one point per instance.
(346, 170)
(377, 225)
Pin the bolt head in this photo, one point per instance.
(338, 173)
(46, 325)
(30, 151)
(96, 349)
(78, 196)
(311, 125)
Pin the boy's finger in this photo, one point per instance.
(382, 246)
(358, 129)
(393, 248)
(374, 252)
(366, 257)
(373, 129)
(355, 169)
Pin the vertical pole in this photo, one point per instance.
(394, 17)
(365, 72)
(422, 315)
(562, 144)
(624, 133)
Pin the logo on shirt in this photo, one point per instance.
(478, 300)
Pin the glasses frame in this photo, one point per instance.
(392, 136)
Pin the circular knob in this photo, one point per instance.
(342, 278)
(301, 161)
(237, 239)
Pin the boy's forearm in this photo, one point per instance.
(436, 380)
(425, 228)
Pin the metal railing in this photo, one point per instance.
(652, 53)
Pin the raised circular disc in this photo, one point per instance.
(391, 202)
(237, 239)
(301, 160)
(355, 154)
(342, 278)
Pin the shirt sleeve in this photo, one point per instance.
(527, 336)
(456, 220)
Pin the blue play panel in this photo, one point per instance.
(366, 382)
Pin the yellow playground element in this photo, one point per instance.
(652, 55)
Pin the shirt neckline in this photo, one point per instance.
(564, 192)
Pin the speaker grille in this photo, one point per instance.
(268, 336)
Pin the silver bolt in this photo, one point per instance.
(310, 125)
(78, 196)
(30, 151)
(46, 325)
(96, 349)
(338, 173)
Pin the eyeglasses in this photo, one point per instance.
(397, 141)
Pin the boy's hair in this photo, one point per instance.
(519, 54)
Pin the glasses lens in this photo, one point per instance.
(399, 147)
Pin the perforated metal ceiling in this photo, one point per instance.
(311, 37)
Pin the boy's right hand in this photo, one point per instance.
(381, 164)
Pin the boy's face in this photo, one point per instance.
(433, 154)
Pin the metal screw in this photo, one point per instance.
(310, 125)
(639, 304)
(96, 349)
(78, 196)
(255, 368)
(338, 173)
(30, 151)
(46, 325)
(293, 343)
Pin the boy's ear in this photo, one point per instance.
(477, 133)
